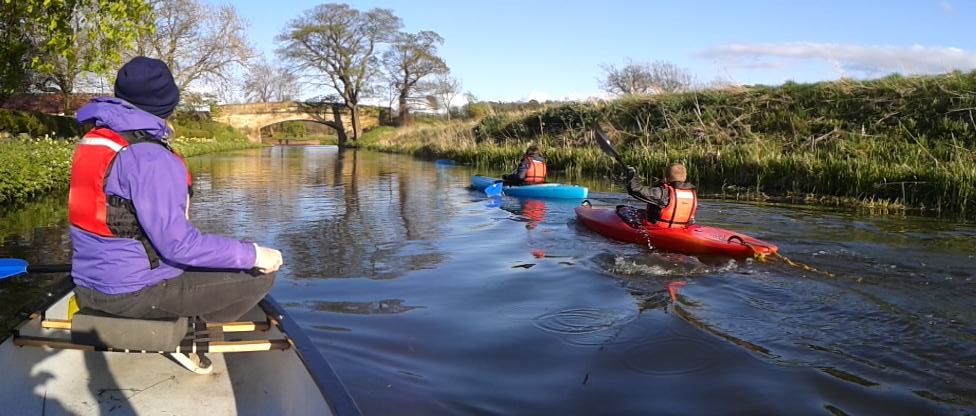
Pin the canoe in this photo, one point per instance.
(263, 365)
(545, 190)
(693, 240)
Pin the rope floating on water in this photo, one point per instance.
(763, 257)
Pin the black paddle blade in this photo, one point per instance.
(604, 142)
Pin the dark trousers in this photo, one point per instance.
(215, 296)
(513, 180)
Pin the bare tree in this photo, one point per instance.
(669, 77)
(447, 88)
(411, 57)
(266, 82)
(337, 44)
(201, 44)
(642, 78)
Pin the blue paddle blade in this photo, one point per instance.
(494, 189)
(12, 267)
(494, 202)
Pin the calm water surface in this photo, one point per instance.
(429, 299)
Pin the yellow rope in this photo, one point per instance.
(762, 258)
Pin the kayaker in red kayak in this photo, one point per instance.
(672, 203)
(530, 171)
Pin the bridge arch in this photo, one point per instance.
(250, 118)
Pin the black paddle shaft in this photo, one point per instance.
(49, 268)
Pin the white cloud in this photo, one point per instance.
(867, 60)
(947, 7)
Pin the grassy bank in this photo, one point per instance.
(896, 143)
(31, 167)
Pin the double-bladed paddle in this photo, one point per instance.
(16, 267)
(604, 142)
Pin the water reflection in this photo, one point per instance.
(379, 307)
(333, 214)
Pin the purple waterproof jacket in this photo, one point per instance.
(154, 179)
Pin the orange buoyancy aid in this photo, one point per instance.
(682, 204)
(88, 205)
(536, 173)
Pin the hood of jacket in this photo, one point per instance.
(119, 115)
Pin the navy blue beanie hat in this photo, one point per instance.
(148, 84)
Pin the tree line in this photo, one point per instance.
(339, 53)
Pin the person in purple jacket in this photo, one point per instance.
(135, 252)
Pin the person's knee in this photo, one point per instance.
(266, 281)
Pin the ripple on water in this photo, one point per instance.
(587, 326)
(673, 356)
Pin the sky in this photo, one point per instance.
(542, 49)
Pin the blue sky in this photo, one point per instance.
(512, 50)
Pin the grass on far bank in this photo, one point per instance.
(31, 167)
(896, 143)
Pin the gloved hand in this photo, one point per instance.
(267, 260)
(631, 172)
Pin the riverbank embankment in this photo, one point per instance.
(892, 144)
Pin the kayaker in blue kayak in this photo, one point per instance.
(530, 171)
(672, 202)
(135, 253)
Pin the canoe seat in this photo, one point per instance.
(101, 330)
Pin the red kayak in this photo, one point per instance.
(694, 239)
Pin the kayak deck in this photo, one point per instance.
(76, 382)
(694, 240)
(544, 190)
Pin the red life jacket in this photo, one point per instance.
(89, 208)
(536, 172)
(682, 204)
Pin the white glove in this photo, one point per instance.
(266, 260)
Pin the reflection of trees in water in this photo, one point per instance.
(383, 214)
(46, 243)
(379, 307)
(333, 214)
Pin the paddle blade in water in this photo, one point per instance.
(12, 267)
(494, 189)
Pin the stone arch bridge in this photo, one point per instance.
(250, 118)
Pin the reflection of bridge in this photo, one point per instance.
(250, 118)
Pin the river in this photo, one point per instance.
(428, 298)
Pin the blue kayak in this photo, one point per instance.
(545, 190)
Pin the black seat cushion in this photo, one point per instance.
(101, 330)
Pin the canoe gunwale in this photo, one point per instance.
(328, 383)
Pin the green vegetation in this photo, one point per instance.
(31, 167)
(34, 166)
(195, 146)
(325, 140)
(894, 142)
(37, 124)
(186, 126)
